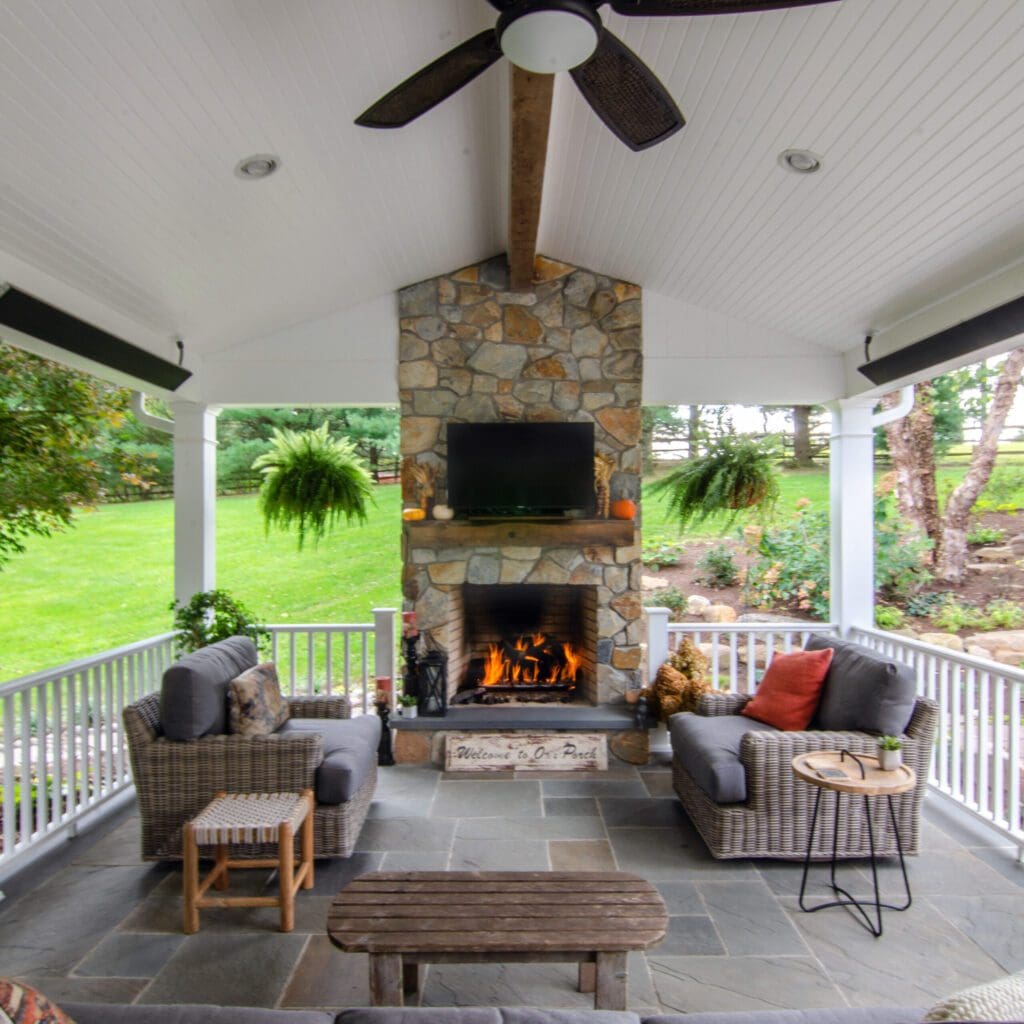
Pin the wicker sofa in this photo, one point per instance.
(319, 748)
(772, 819)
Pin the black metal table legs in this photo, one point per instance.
(845, 899)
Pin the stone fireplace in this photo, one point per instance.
(568, 351)
(522, 641)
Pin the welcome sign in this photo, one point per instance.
(538, 751)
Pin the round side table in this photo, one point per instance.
(861, 777)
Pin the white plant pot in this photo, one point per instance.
(890, 760)
(407, 712)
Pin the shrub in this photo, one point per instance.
(954, 615)
(1003, 614)
(659, 552)
(921, 605)
(985, 535)
(717, 568)
(213, 615)
(670, 597)
(793, 567)
(887, 617)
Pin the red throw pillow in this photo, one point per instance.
(788, 695)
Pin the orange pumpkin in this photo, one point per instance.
(413, 515)
(623, 509)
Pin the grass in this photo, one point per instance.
(110, 579)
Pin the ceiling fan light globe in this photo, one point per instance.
(547, 41)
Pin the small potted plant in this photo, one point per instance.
(407, 705)
(890, 753)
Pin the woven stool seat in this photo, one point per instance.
(250, 818)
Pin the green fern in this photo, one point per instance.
(310, 481)
(736, 473)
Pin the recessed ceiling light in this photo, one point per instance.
(800, 161)
(260, 165)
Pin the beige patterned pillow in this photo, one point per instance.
(1001, 1000)
(255, 704)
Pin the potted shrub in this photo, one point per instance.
(407, 705)
(735, 473)
(311, 480)
(213, 615)
(890, 753)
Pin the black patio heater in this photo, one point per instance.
(433, 684)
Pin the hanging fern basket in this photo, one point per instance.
(736, 473)
(310, 482)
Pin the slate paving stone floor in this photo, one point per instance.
(94, 923)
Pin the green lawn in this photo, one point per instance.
(109, 580)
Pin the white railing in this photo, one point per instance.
(64, 751)
(977, 758)
(331, 658)
(739, 652)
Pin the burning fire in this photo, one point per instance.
(531, 660)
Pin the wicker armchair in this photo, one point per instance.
(175, 780)
(775, 818)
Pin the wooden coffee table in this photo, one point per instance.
(407, 918)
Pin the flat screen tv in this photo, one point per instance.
(521, 469)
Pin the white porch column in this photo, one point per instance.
(195, 495)
(851, 485)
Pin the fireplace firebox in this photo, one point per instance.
(522, 643)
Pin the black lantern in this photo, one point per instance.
(433, 684)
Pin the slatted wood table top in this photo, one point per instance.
(407, 918)
(499, 911)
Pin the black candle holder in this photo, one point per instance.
(385, 755)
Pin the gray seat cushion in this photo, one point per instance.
(709, 749)
(350, 751)
(185, 1013)
(862, 691)
(837, 1015)
(482, 1015)
(194, 692)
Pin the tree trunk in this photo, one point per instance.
(912, 450)
(693, 433)
(802, 436)
(951, 556)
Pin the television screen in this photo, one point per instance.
(507, 469)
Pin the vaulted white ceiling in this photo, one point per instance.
(122, 120)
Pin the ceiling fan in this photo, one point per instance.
(545, 36)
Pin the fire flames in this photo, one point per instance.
(531, 661)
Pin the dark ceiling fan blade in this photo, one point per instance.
(625, 94)
(669, 8)
(434, 83)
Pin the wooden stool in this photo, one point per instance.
(249, 818)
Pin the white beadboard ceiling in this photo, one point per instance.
(121, 121)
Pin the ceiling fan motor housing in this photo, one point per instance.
(546, 36)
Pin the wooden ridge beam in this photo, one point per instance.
(531, 119)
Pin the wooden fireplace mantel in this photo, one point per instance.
(522, 532)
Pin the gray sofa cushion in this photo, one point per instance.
(863, 691)
(350, 751)
(838, 1015)
(104, 1013)
(709, 749)
(482, 1015)
(194, 693)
